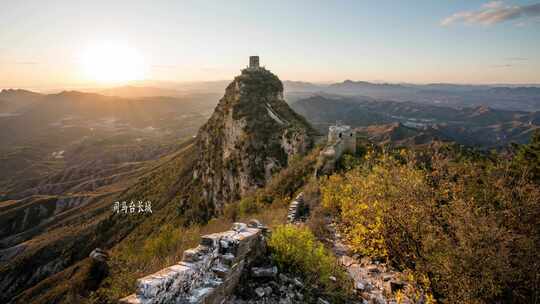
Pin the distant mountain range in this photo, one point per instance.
(479, 126)
(509, 97)
(16, 100)
(45, 133)
(452, 95)
(139, 92)
(501, 96)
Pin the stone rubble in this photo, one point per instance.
(375, 282)
(268, 287)
(265, 284)
(262, 272)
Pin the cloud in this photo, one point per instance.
(517, 59)
(492, 13)
(510, 62)
(27, 62)
(493, 4)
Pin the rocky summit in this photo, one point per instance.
(251, 135)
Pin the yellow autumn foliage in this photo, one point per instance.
(362, 199)
(466, 225)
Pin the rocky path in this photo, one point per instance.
(374, 282)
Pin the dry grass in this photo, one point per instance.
(129, 262)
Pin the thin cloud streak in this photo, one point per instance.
(492, 13)
(502, 66)
(517, 59)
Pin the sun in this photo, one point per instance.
(110, 63)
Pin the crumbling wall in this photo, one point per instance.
(341, 139)
(295, 208)
(328, 157)
(208, 273)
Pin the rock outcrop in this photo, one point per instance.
(252, 134)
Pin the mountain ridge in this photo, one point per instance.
(251, 135)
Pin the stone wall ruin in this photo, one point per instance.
(341, 139)
(207, 274)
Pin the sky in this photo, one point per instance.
(44, 43)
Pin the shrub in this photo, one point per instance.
(163, 244)
(528, 158)
(249, 205)
(348, 161)
(469, 226)
(296, 250)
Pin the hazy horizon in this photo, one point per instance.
(62, 44)
(171, 85)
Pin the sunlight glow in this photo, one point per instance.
(111, 63)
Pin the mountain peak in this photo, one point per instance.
(251, 135)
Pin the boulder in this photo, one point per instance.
(253, 223)
(264, 272)
(322, 301)
(99, 254)
(260, 292)
(239, 227)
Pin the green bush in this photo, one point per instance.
(249, 205)
(296, 250)
(163, 244)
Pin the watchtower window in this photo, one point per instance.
(339, 135)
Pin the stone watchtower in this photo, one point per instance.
(253, 62)
(343, 135)
(341, 139)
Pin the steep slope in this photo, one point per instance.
(251, 135)
(37, 254)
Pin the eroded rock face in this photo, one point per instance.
(252, 134)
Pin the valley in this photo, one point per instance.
(480, 126)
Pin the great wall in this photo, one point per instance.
(212, 272)
(208, 273)
(341, 139)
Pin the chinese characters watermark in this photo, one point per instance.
(132, 207)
